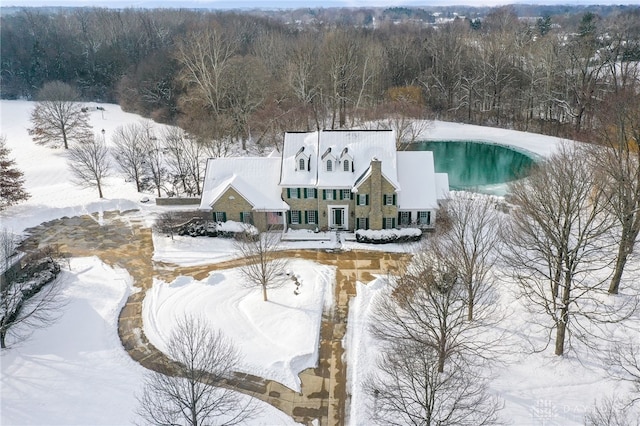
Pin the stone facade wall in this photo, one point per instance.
(376, 187)
(232, 203)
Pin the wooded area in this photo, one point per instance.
(232, 77)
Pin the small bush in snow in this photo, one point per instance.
(386, 236)
(207, 228)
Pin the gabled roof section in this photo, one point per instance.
(359, 146)
(363, 177)
(362, 146)
(418, 181)
(255, 178)
(296, 144)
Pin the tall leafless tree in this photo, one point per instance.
(154, 158)
(409, 389)
(617, 154)
(58, 116)
(263, 266)
(90, 163)
(555, 244)
(192, 390)
(204, 57)
(29, 299)
(185, 157)
(428, 305)
(129, 151)
(473, 243)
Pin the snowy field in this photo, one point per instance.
(78, 361)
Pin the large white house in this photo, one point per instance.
(330, 179)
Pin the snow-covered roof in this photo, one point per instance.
(418, 181)
(357, 146)
(255, 178)
(442, 186)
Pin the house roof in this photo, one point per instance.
(442, 185)
(255, 178)
(418, 181)
(359, 146)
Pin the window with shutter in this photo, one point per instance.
(311, 217)
(328, 194)
(295, 217)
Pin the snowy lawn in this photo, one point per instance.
(277, 339)
(536, 388)
(192, 251)
(75, 371)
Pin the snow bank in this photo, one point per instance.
(278, 339)
(362, 350)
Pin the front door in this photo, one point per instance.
(337, 217)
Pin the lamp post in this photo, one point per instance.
(103, 139)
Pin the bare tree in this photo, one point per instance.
(263, 267)
(611, 412)
(623, 361)
(204, 57)
(129, 151)
(58, 116)
(409, 389)
(155, 161)
(427, 305)
(90, 163)
(473, 243)
(555, 242)
(185, 156)
(617, 161)
(167, 223)
(11, 179)
(404, 114)
(193, 390)
(28, 299)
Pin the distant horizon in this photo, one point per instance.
(299, 4)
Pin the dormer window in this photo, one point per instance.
(329, 165)
(345, 165)
(301, 166)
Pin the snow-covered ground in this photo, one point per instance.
(537, 388)
(277, 339)
(76, 372)
(539, 145)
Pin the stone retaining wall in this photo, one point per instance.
(177, 201)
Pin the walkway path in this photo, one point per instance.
(120, 241)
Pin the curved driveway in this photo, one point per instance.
(120, 240)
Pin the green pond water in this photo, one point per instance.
(477, 166)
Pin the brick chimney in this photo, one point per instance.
(375, 202)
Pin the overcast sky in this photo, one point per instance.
(291, 4)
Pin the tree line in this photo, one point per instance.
(223, 75)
